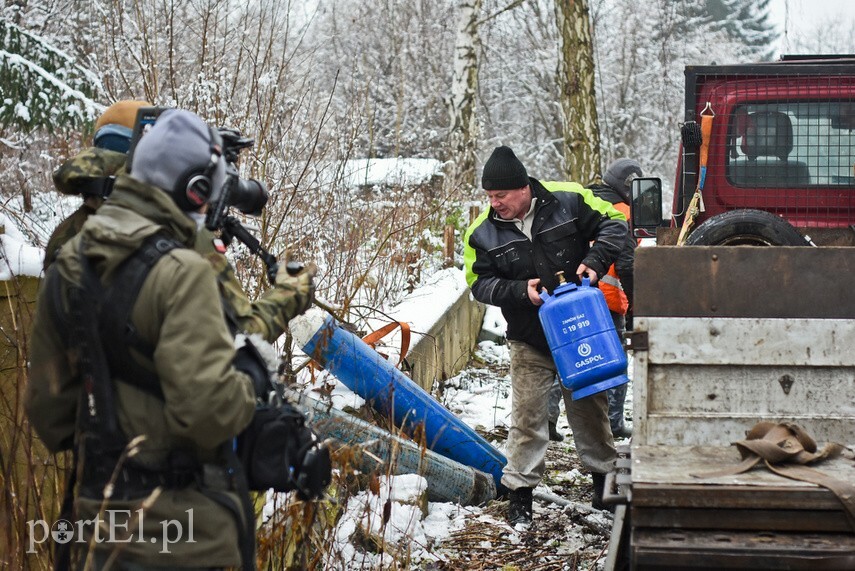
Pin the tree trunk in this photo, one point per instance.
(578, 98)
(463, 127)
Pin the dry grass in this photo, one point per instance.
(31, 479)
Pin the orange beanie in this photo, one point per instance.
(121, 113)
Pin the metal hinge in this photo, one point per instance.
(635, 340)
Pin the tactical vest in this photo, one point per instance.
(98, 324)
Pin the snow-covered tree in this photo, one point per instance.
(463, 126)
(744, 21)
(42, 86)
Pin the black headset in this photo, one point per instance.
(194, 188)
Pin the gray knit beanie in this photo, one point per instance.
(619, 176)
(177, 146)
(503, 171)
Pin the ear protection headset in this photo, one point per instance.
(195, 187)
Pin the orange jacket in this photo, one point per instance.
(610, 283)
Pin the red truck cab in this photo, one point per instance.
(780, 154)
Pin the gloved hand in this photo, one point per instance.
(298, 279)
(248, 360)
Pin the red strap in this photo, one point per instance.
(373, 338)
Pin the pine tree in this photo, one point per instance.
(744, 21)
(41, 85)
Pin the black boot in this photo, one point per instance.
(597, 499)
(554, 435)
(519, 508)
(623, 431)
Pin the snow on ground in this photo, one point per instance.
(480, 395)
(406, 525)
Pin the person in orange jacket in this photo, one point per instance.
(617, 284)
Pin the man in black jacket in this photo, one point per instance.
(531, 232)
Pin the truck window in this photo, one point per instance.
(792, 145)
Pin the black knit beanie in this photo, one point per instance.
(503, 171)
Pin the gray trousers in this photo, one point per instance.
(532, 377)
(616, 395)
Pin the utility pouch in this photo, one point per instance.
(274, 448)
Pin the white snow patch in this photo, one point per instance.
(17, 257)
(401, 171)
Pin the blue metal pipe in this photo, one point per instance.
(392, 394)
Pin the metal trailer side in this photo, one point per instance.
(726, 337)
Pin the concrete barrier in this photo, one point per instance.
(445, 348)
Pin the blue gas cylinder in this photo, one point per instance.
(586, 348)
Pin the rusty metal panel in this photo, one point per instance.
(745, 281)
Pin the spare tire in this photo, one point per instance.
(746, 228)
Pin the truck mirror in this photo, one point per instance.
(646, 209)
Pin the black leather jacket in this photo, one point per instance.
(500, 259)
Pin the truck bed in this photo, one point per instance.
(726, 337)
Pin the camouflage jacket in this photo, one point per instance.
(65, 231)
(268, 315)
(77, 176)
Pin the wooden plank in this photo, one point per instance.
(807, 520)
(688, 465)
(732, 281)
(676, 496)
(708, 380)
(704, 549)
(639, 389)
(750, 341)
(788, 391)
(695, 429)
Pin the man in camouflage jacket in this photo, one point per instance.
(205, 401)
(89, 170)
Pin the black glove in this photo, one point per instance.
(248, 360)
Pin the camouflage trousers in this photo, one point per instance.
(532, 378)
